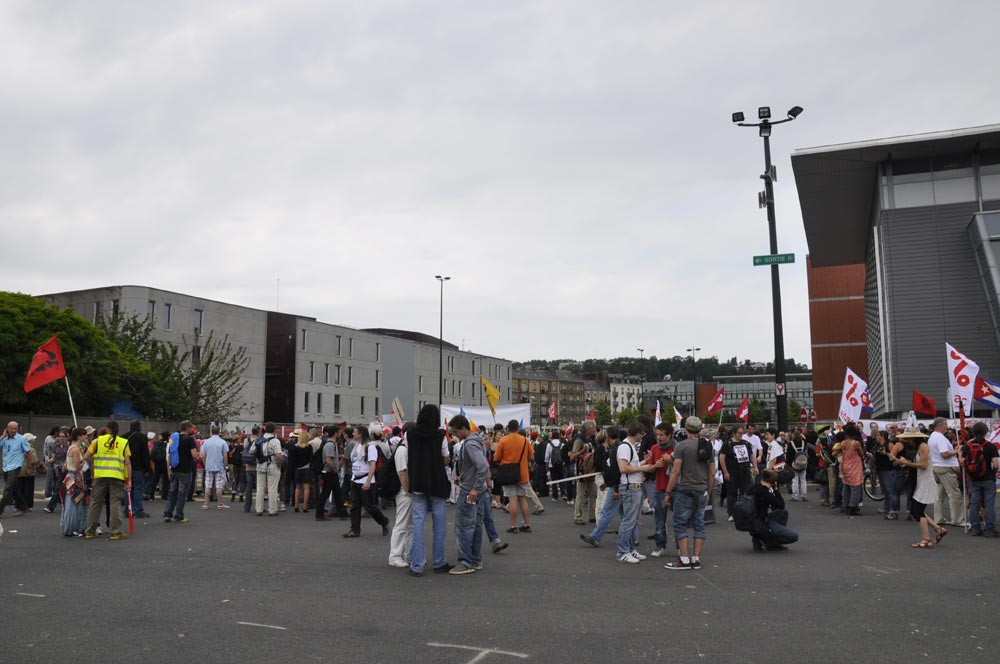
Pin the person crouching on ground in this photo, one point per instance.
(771, 511)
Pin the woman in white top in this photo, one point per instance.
(926, 490)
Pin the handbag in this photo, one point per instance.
(510, 473)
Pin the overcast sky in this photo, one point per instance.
(571, 165)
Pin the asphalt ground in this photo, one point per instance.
(852, 589)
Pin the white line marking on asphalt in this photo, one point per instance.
(709, 582)
(890, 570)
(29, 595)
(249, 624)
(483, 652)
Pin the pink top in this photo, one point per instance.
(851, 467)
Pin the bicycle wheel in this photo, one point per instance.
(873, 487)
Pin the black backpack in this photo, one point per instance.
(159, 453)
(316, 462)
(611, 473)
(744, 513)
(705, 451)
(556, 456)
(387, 479)
(258, 449)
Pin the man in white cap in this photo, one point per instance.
(690, 485)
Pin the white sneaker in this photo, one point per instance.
(398, 563)
(638, 555)
(628, 558)
(658, 552)
(729, 519)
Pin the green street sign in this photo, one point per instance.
(774, 259)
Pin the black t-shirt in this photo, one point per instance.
(236, 455)
(185, 462)
(738, 454)
(645, 445)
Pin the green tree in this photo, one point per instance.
(626, 415)
(91, 360)
(602, 413)
(794, 412)
(758, 415)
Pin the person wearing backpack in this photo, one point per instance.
(329, 475)
(181, 457)
(800, 464)
(586, 489)
(981, 462)
(159, 458)
(771, 531)
(401, 539)
(690, 484)
(269, 456)
(250, 467)
(610, 478)
(365, 461)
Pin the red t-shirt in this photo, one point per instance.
(662, 473)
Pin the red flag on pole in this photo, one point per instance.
(552, 410)
(923, 404)
(46, 366)
(743, 412)
(717, 401)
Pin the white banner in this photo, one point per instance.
(962, 374)
(482, 416)
(850, 400)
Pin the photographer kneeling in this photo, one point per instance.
(771, 531)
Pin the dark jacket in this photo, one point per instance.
(138, 448)
(766, 500)
(425, 465)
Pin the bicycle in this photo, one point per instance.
(872, 483)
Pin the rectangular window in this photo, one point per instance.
(350, 347)
(508, 373)
(378, 352)
(326, 373)
(312, 372)
(199, 315)
(151, 310)
(319, 403)
(377, 372)
(453, 389)
(420, 383)
(444, 387)
(336, 404)
(196, 356)
(460, 389)
(303, 338)
(115, 309)
(340, 342)
(96, 314)
(362, 405)
(350, 376)
(336, 375)
(377, 406)
(306, 407)
(168, 310)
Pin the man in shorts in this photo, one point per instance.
(213, 454)
(515, 448)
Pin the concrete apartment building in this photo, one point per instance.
(304, 370)
(186, 321)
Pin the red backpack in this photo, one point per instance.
(977, 465)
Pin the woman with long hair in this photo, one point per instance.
(926, 490)
(72, 487)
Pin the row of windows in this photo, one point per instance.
(315, 401)
(940, 180)
(304, 343)
(338, 371)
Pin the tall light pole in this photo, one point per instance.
(694, 380)
(642, 383)
(441, 343)
(766, 199)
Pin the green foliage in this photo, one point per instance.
(602, 413)
(626, 415)
(758, 414)
(91, 360)
(794, 414)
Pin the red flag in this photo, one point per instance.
(717, 400)
(552, 410)
(46, 365)
(743, 412)
(591, 416)
(923, 404)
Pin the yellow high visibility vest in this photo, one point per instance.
(109, 457)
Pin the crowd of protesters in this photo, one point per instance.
(341, 472)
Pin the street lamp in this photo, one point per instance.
(769, 176)
(694, 376)
(642, 383)
(441, 343)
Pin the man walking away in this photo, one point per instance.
(473, 496)
(330, 476)
(213, 456)
(180, 464)
(982, 464)
(427, 456)
(691, 478)
(514, 449)
(269, 461)
(554, 462)
(250, 467)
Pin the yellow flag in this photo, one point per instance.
(492, 395)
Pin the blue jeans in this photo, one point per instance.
(250, 482)
(138, 487)
(689, 508)
(469, 530)
(660, 518)
(890, 485)
(780, 532)
(491, 530)
(985, 491)
(610, 509)
(180, 483)
(628, 533)
(422, 505)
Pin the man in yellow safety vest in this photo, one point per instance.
(109, 457)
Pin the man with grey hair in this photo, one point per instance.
(583, 449)
(15, 446)
(944, 460)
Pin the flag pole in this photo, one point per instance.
(71, 408)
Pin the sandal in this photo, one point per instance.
(923, 544)
(941, 532)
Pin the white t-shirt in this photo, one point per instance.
(627, 452)
(401, 457)
(361, 460)
(939, 443)
(754, 441)
(774, 450)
